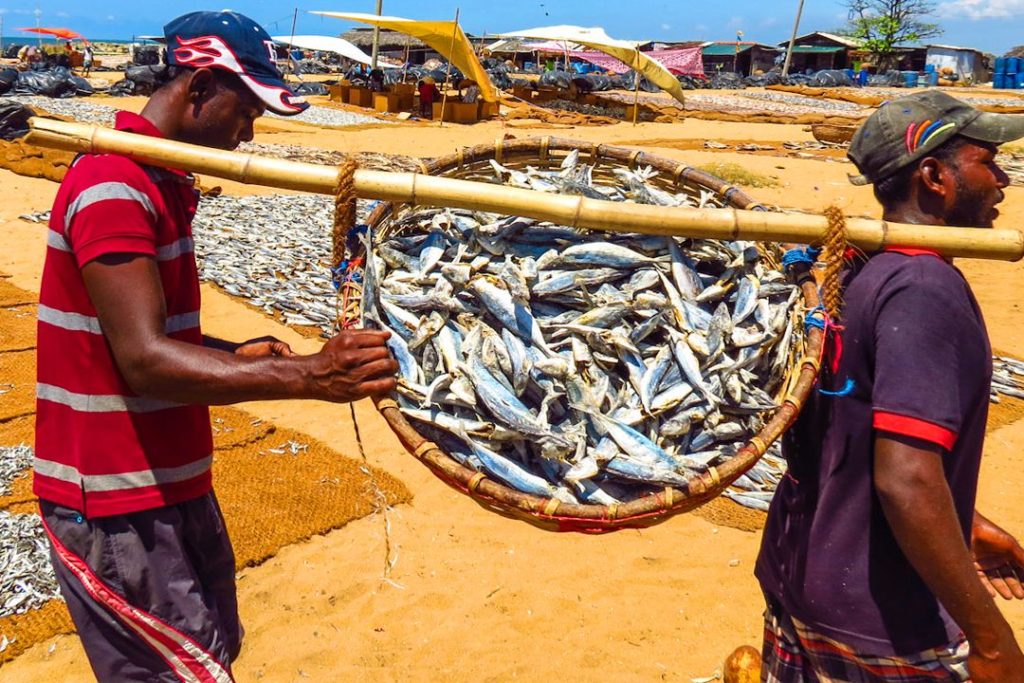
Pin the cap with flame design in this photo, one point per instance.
(233, 42)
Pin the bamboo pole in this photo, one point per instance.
(419, 189)
(448, 72)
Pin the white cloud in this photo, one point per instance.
(666, 27)
(64, 15)
(735, 22)
(981, 9)
(768, 22)
(701, 29)
(110, 17)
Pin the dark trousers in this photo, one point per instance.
(151, 593)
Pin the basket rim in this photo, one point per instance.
(552, 514)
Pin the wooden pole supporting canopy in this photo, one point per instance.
(580, 212)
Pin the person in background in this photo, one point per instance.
(126, 375)
(376, 80)
(428, 95)
(874, 562)
(471, 92)
(87, 60)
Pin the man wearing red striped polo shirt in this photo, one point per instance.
(874, 562)
(123, 440)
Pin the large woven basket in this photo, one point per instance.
(548, 513)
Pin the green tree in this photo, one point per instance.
(882, 25)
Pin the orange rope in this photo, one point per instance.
(832, 254)
(344, 221)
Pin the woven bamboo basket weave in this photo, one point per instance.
(474, 164)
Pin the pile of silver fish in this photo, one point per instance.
(27, 580)
(313, 155)
(15, 462)
(590, 368)
(1007, 378)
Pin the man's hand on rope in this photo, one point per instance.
(353, 365)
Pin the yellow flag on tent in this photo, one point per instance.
(596, 39)
(445, 37)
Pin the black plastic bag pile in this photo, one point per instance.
(53, 82)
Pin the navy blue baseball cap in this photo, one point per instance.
(233, 42)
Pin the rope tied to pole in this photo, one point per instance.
(346, 275)
(833, 253)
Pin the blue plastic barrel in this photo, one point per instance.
(998, 81)
(929, 68)
(910, 79)
(1000, 67)
(933, 79)
(1012, 65)
(1019, 82)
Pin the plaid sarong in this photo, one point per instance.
(794, 653)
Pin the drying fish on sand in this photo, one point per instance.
(27, 580)
(585, 367)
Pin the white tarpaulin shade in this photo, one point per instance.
(329, 44)
(627, 52)
(444, 37)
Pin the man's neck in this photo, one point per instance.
(911, 214)
(160, 115)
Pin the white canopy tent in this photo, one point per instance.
(626, 51)
(338, 46)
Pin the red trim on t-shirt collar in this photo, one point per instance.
(916, 428)
(131, 122)
(911, 251)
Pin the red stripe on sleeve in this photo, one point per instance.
(912, 426)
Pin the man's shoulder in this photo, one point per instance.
(94, 169)
(918, 271)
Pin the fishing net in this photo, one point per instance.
(548, 512)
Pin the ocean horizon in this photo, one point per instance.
(50, 40)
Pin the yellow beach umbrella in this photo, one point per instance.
(623, 50)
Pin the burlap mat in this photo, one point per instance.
(276, 486)
(34, 162)
(725, 512)
(17, 382)
(14, 296)
(14, 336)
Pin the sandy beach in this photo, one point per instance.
(474, 596)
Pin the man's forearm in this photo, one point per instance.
(919, 508)
(185, 373)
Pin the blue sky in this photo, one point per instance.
(990, 25)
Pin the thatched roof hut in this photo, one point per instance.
(389, 40)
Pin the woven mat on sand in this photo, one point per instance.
(276, 486)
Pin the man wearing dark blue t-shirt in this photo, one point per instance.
(874, 563)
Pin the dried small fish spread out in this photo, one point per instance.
(587, 367)
(27, 580)
(1007, 378)
(15, 462)
(274, 251)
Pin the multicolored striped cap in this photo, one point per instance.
(905, 130)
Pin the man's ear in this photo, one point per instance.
(933, 175)
(200, 85)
